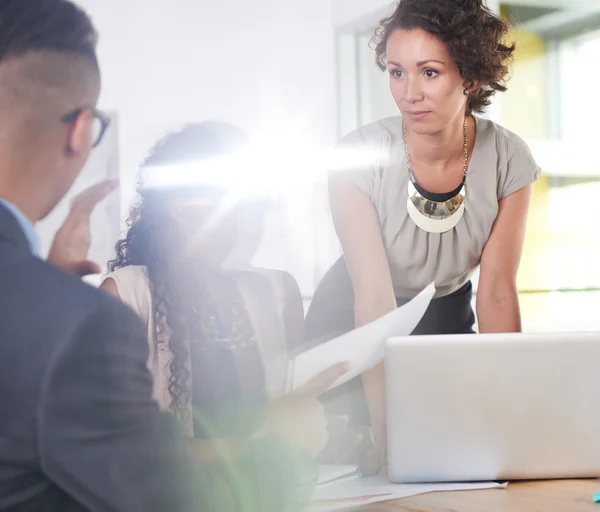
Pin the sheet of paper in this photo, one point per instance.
(363, 348)
(349, 493)
(333, 473)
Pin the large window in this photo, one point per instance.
(552, 104)
(579, 57)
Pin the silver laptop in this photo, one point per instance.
(493, 407)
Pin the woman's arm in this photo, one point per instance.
(497, 297)
(357, 226)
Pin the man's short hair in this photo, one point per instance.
(45, 26)
(48, 65)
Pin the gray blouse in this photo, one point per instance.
(500, 165)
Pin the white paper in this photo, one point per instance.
(362, 348)
(348, 493)
(333, 473)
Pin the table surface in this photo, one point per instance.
(538, 496)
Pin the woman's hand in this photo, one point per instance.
(353, 445)
(300, 417)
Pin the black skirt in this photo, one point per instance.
(331, 314)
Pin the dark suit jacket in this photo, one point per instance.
(78, 428)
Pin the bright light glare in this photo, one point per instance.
(260, 169)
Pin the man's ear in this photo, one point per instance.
(80, 134)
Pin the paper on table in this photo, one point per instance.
(345, 494)
(335, 472)
(363, 348)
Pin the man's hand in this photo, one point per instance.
(300, 417)
(72, 241)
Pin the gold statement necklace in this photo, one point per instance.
(436, 213)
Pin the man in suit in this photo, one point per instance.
(78, 428)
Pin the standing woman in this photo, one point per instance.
(448, 191)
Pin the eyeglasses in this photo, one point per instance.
(99, 119)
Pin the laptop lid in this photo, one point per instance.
(493, 407)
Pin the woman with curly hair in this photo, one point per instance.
(448, 192)
(218, 352)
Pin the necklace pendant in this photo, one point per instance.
(435, 216)
(436, 213)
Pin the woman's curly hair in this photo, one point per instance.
(475, 37)
(154, 240)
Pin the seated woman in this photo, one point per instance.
(218, 354)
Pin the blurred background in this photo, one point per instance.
(300, 74)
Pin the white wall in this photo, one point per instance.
(261, 64)
(359, 14)
(254, 63)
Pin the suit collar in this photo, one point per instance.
(11, 230)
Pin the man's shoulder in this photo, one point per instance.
(88, 300)
(51, 297)
(49, 316)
